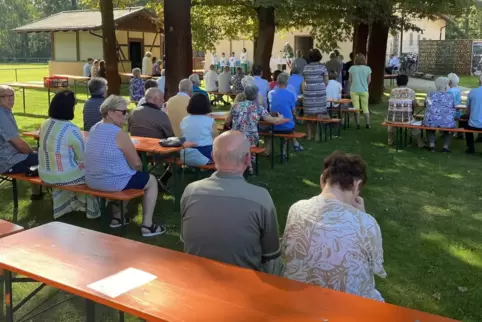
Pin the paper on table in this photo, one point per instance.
(122, 282)
(134, 141)
(219, 113)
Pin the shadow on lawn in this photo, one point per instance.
(35, 116)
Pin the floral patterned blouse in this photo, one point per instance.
(440, 110)
(245, 116)
(331, 244)
(400, 105)
(136, 89)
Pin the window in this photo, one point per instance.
(411, 39)
(418, 38)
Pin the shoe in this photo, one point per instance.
(358, 126)
(432, 149)
(444, 150)
(116, 222)
(154, 230)
(368, 126)
(93, 216)
(298, 148)
(164, 187)
(468, 151)
(37, 197)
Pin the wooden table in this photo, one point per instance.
(144, 77)
(83, 80)
(187, 288)
(24, 86)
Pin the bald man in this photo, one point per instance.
(16, 156)
(225, 218)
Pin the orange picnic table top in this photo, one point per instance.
(131, 75)
(186, 287)
(76, 77)
(423, 127)
(7, 228)
(35, 86)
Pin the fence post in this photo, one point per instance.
(16, 76)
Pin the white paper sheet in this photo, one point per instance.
(122, 282)
(219, 113)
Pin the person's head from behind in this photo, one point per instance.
(159, 62)
(336, 52)
(90, 61)
(454, 80)
(341, 57)
(155, 96)
(257, 70)
(97, 87)
(96, 63)
(247, 81)
(227, 69)
(442, 84)
(233, 54)
(114, 110)
(231, 152)
(154, 60)
(239, 71)
(275, 75)
(244, 50)
(185, 86)
(195, 80)
(333, 55)
(392, 55)
(299, 54)
(223, 54)
(283, 80)
(136, 72)
(295, 70)
(332, 75)
(7, 96)
(150, 83)
(315, 55)
(346, 173)
(148, 54)
(199, 105)
(402, 80)
(102, 64)
(360, 59)
(251, 92)
(62, 106)
(212, 67)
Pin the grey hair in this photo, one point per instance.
(136, 70)
(283, 79)
(112, 103)
(97, 86)
(442, 84)
(454, 79)
(185, 86)
(163, 72)
(231, 156)
(194, 78)
(247, 81)
(295, 69)
(251, 92)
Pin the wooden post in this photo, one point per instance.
(109, 46)
(52, 45)
(77, 44)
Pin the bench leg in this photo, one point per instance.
(320, 130)
(288, 149)
(331, 134)
(272, 147)
(8, 296)
(256, 167)
(103, 214)
(89, 311)
(177, 188)
(281, 143)
(397, 134)
(326, 132)
(15, 200)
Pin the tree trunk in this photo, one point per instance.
(109, 46)
(178, 43)
(377, 48)
(360, 38)
(265, 39)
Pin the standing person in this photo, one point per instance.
(299, 63)
(346, 68)
(94, 69)
(147, 64)
(215, 60)
(316, 80)
(101, 72)
(156, 69)
(136, 87)
(474, 113)
(359, 79)
(88, 67)
(61, 158)
(232, 63)
(244, 60)
(335, 65)
(97, 89)
(330, 240)
(223, 61)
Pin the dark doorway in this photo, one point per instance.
(135, 53)
(304, 43)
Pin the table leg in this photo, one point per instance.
(89, 311)
(281, 149)
(177, 198)
(397, 130)
(2, 293)
(103, 214)
(15, 199)
(23, 94)
(145, 165)
(272, 147)
(8, 296)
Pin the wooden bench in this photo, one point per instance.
(215, 94)
(283, 138)
(322, 122)
(7, 228)
(115, 197)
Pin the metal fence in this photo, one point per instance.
(23, 74)
(24, 60)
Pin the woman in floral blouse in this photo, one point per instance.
(137, 86)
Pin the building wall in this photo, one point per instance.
(76, 68)
(65, 46)
(90, 46)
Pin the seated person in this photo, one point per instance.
(224, 82)
(440, 111)
(61, 158)
(248, 236)
(150, 83)
(261, 84)
(211, 79)
(161, 82)
(283, 102)
(274, 79)
(474, 113)
(330, 240)
(95, 68)
(333, 89)
(455, 90)
(136, 87)
(98, 90)
(296, 80)
(236, 80)
(248, 81)
(200, 128)
(16, 156)
(401, 106)
(112, 164)
(393, 64)
(196, 82)
(177, 106)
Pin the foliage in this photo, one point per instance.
(468, 26)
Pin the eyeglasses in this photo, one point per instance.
(124, 112)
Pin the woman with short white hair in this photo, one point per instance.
(112, 164)
(147, 64)
(440, 113)
(196, 82)
(454, 88)
(136, 87)
(245, 82)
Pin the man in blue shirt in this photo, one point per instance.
(262, 84)
(393, 63)
(87, 67)
(474, 114)
(284, 103)
(97, 89)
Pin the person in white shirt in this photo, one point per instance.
(262, 84)
(232, 63)
(224, 82)
(88, 67)
(150, 83)
(223, 61)
(215, 60)
(161, 82)
(147, 64)
(244, 60)
(211, 81)
(394, 63)
(333, 90)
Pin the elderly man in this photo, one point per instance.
(393, 64)
(262, 84)
(335, 65)
(97, 89)
(150, 83)
(224, 82)
(161, 82)
(299, 63)
(474, 113)
(16, 156)
(196, 82)
(211, 79)
(177, 105)
(224, 218)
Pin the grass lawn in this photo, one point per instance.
(427, 204)
(468, 81)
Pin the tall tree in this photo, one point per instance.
(109, 46)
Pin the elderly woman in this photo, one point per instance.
(237, 81)
(136, 88)
(147, 64)
(61, 157)
(161, 82)
(316, 80)
(196, 82)
(440, 112)
(330, 240)
(97, 89)
(360, 76)
(241, 97)
(112, 163)
(94, 70)
(156, 68)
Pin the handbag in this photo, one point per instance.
(32, 172)
(172, 142)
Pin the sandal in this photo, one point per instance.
(154, 230)
(116, 222)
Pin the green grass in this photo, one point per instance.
(468, 81)
(428, 207)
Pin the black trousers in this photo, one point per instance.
(469, 137)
